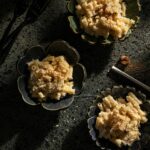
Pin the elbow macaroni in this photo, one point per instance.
(120, 119)
(51, 77)
(104, 17)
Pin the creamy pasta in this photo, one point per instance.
(104, 17)
(51, 77)
(119, 120)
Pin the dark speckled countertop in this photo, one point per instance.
(31, 128)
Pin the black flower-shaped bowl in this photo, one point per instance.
(57, 48)
(133, 9)
(119, 91)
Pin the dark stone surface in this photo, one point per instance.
(31, 128)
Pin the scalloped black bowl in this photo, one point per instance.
(57, 48)
(133, 9)
(116, 92)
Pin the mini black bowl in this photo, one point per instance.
(132, 12)
(116, 92)
(57, 48)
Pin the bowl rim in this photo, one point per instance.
(23, 75)
(93, 112)
(100, 39)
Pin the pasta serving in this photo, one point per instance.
(104, 18)
(119, 120)
(51, 77)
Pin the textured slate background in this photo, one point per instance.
(31, 128)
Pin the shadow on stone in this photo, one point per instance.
(7, 7)
(79, 139)
(145, 9)
(30, 124)
(51, 25)
(95, 58)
